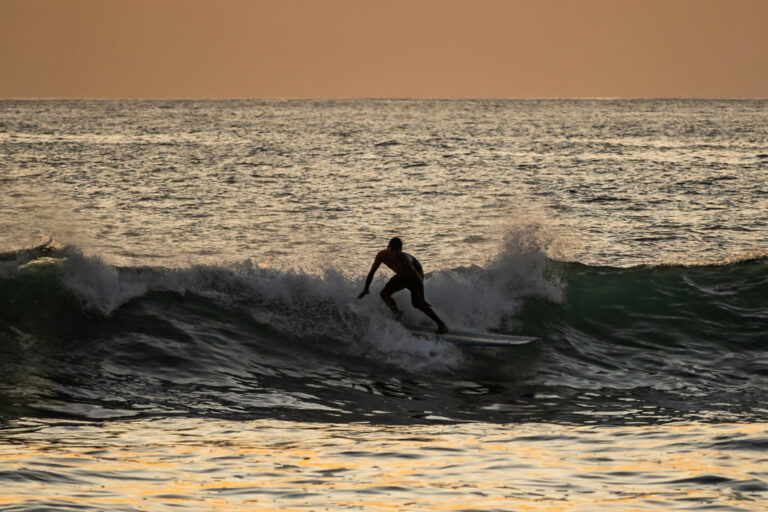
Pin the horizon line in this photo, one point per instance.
(378, 98)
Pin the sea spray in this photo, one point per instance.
(489, 296)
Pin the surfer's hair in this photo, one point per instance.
(396, 244)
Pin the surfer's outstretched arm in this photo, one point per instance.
(369, 279)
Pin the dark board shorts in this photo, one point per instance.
(397, 283)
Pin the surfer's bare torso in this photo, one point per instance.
(401, 263)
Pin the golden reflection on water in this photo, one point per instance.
(273, 465)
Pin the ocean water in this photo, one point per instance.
(179, 325)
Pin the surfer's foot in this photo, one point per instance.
(398, 316)
(442, 328)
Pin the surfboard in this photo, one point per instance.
(481, 339)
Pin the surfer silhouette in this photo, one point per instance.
(408, 274)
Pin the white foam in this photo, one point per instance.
(98, 286)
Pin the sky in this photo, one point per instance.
(383, 48)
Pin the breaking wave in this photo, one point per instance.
(81, 337)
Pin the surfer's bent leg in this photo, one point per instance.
(393, 285)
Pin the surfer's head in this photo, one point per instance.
(395, 245)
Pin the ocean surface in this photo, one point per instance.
(180, 328)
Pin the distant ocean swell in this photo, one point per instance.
(82, 338)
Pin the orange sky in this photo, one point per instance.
(383, 48)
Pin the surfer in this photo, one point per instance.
(408, 274)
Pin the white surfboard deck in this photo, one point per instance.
(482, 339)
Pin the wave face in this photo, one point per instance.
(80, 338)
